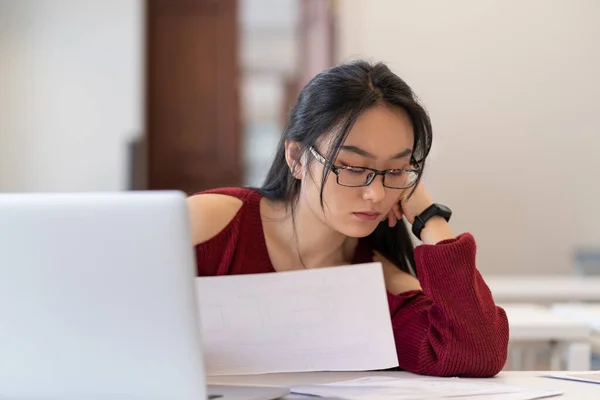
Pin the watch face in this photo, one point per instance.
(445, 211)
(444, 208)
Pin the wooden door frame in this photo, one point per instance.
(171, 122)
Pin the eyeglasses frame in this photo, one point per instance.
(376, 172)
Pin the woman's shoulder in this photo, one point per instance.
(215, 210)
(222, 222)
(241, 193)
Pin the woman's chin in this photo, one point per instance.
(359, 230)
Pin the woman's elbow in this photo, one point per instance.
(486, 356)
(465, 364)
(482, 358)
(485, 364)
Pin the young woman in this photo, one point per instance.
(347, 170)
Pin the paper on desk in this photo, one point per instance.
(585, 376)
(387, 388)
(325, 319)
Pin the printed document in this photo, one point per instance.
(583, 376)
(415, 387)
(323, 319)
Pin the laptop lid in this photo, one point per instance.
(97, 297)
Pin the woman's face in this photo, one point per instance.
(382, 138)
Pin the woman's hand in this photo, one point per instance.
(415, 205)
(436, 229)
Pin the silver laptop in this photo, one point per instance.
(97, 300)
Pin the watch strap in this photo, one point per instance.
(431, 211)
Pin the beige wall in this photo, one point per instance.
(71, 91)
(513, 89)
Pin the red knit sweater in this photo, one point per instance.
(450, 328)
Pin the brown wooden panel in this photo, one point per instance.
(193, 119)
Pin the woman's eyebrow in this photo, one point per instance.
(364, 153)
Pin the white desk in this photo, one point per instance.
(587, 313)
(533, 323)
(544, 289)
(572, 390)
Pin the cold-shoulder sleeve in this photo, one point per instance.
(214, 256)
(239, 248)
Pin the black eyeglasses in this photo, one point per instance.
(362, 176)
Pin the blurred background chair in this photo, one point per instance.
(587, 261)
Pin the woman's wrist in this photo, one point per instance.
(436, 229)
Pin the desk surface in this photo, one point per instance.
(589, 313)
(544, 289)
(535, 322)
(571, 389)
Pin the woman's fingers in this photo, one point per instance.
(394, 215)
(392, 220)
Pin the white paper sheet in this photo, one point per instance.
(585, 376)
(325, 319)
(387, 388)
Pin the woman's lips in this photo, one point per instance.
(367, 216)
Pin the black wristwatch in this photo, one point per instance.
(431, 211)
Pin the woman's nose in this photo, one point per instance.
(375, 191)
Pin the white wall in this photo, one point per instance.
(268, 34)
(268, 56)
(513, 89)
(70, 93)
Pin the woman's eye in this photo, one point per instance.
(357, 171)
(352, 165)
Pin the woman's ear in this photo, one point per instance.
(293, 157)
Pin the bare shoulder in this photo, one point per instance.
(396, 280)
(210, 213)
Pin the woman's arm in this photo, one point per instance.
(452, 327)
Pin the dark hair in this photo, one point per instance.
(330, 104)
